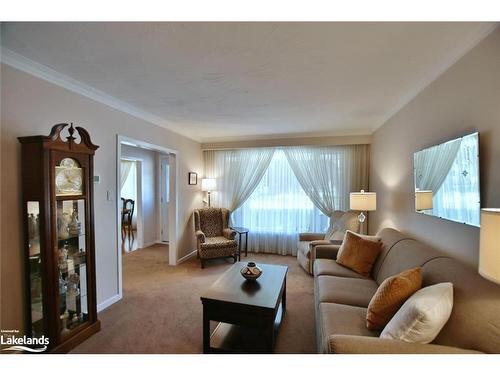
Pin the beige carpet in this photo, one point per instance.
(161, 311)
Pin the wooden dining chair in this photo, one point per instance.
(128, 206)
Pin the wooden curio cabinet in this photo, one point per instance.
(58, 215)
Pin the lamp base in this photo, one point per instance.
(361, 217)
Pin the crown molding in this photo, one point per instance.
(38, 70)
(460, 52)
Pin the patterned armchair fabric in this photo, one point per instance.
(214, 237)
(340, 222)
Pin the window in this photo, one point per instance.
(278, 210)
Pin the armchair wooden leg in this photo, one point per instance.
(202, 263)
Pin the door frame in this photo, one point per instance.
(173, 208)
(160, 186)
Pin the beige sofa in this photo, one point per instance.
(342, 296)
(340, 222)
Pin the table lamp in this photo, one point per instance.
(363, 201)
(489, 244)
(208, 185)
(423, 200)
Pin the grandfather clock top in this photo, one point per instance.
(56, 141)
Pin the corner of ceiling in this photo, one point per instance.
(45, 73)
(460, 52)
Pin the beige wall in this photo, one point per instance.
(30, 106)
(464, 99)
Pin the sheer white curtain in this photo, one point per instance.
(278, 210)
(458, 197)
(433, 164)
(237, 173)
(274, 205)
(126, 166)
(329, 174)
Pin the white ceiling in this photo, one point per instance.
(226, 81)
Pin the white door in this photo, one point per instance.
(164, 196)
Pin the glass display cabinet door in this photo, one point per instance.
(72, 264)
(35, 269)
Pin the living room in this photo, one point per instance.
(312, 187)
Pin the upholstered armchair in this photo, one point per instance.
(213, 236)
(330, 241)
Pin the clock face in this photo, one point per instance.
(69, 179)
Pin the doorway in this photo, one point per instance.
(158, 197)
(131, 200)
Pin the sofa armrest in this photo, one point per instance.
(200, 236)
(326, 251)
(311, 236)
(229, 233)
(346, 344)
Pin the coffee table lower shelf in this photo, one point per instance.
(231, 338)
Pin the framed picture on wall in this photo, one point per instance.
(192, 178)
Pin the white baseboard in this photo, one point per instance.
(186, 257)
(108, 302)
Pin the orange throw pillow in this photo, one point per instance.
(358, 254)
(390, 296)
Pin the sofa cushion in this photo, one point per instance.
(422, 316)
(358, 253)
(338, 319)
(345, 290)
(405, 254)
(332, 268)
(391, 295)
(389, 237)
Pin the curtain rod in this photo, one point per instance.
(280, 147)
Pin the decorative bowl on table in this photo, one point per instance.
(251, 271)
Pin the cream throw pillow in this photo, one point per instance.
(422, 316)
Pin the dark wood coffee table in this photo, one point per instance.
(249, 312)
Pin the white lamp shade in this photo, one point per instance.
(208, 184)
(363, 201)
(423, 200)
(489, 244)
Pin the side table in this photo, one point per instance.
(241, 231)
